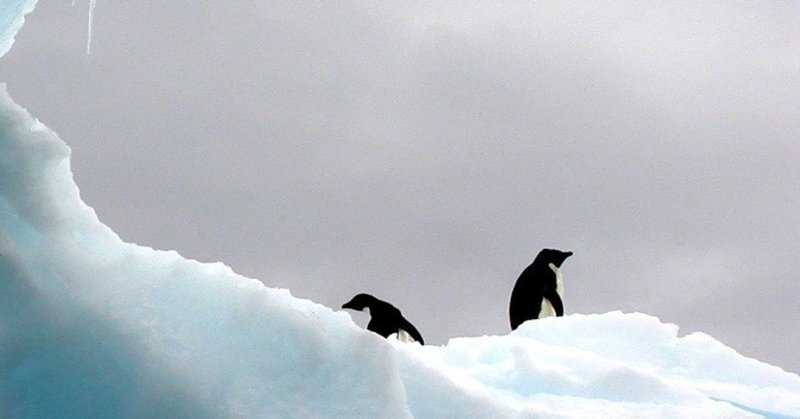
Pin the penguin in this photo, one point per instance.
(385, 319)
(539, 289)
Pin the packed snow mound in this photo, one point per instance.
(91, 326)
(12, 14)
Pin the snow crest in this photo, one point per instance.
(12, 14)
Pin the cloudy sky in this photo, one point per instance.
(426, 152)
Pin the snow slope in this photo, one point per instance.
(91, 326)
(11, 20)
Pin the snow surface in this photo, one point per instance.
(91, 326)
(12, 14)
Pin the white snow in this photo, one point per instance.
(11, 20)
(91, 326)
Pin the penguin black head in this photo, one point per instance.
(360, 302)
(554, 256)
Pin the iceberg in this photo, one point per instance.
(91, 326)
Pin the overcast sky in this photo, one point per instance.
(425, 153)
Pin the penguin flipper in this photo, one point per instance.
(555, 301)
(412, 331)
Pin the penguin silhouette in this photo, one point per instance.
(539, 290)
(385, 319)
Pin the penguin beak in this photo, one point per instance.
(348, 305)
(567, 254)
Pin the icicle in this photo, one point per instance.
(92, 4)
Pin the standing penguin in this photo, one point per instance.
(539, 289)
(385, 319)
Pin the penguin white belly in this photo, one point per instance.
(547, 309)
(403, 336)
